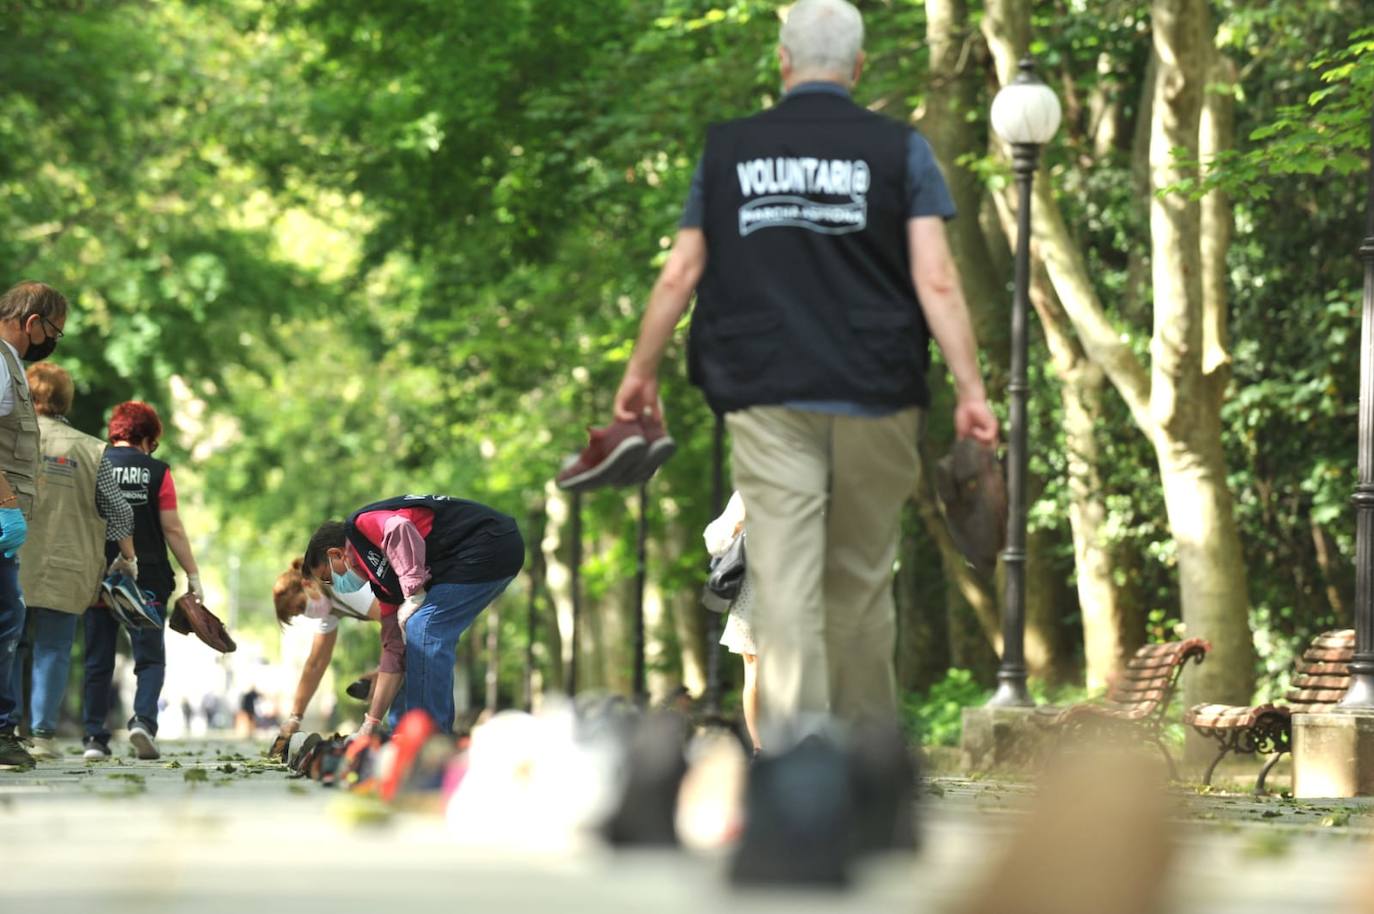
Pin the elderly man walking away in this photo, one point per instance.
(814, 237)
(79, 509)
(32, 316)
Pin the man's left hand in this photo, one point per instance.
(974, 419)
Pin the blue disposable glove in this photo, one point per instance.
(13, 531)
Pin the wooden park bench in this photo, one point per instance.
(1322, 676)
(1137, 700)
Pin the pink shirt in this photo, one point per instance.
(401, 534)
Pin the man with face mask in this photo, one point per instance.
(32, 318)
(433, 563)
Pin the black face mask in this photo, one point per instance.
(39, 351)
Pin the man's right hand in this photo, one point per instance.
(638, 394)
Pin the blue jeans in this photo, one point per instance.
(12, 617)
(53, 634)
(432, 635)
(150, 668)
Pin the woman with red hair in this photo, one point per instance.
(146, 482)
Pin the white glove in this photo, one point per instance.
(193, 585)
(128, 566)
(369, 727)
(412, 603)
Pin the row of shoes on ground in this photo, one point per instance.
(621, 454)
(18, 752)
(603, 771)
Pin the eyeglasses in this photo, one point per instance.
(50, 328)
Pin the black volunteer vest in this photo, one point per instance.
(468, 544)
(140, 479)
(807, 292)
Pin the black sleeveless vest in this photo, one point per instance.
(140, 479)
(807, 293)
(468, 544)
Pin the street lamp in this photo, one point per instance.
(1025, 114)
(1360, 695)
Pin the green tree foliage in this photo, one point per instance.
(354, 248)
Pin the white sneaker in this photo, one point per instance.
(143, 743)
(95, 750)
(44, 747)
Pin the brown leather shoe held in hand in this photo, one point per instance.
(973, 490)
(190, 615)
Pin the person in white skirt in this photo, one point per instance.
(738, 637)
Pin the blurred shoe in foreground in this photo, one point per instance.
(710, 803)
(838, 794)
(1096, 840)
(655, 765)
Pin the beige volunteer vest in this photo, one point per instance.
(64, 556)
(19, 437)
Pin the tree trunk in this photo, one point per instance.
(1048, 601)
(1135, 301)
(952, 92)
(558, 583)
(659, 673)
(1175, 404)
(1189, 367)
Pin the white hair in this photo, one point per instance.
(823, 36)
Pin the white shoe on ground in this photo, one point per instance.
(44, 748)
(143, 743)
(95, 750)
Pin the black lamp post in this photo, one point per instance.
(1360, 695)
(1025, 114)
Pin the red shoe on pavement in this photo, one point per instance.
(611, 452)
(412, 731)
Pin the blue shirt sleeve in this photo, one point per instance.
(694, 210)
(926, 191)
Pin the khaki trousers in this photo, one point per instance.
(823, 496)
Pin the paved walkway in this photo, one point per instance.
(210, 828)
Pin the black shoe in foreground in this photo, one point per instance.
(13, 756)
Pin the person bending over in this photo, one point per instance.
(294, 595)
(433, 562)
